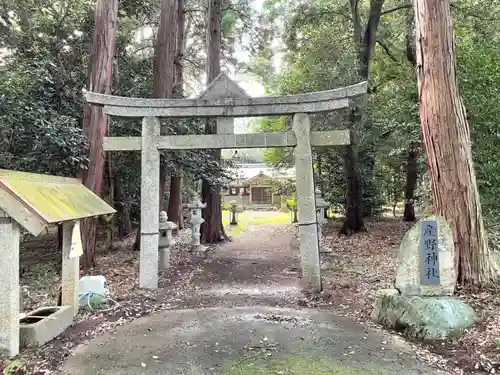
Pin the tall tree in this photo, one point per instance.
(365, 38)
(163, 78)
(414, 147)
(212, 229)
(446, 136)
(95, 122)
(174, 211)
(163, 70)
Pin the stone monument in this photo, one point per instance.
(166, 240)
(196, 221)
(421, 304)
(321, 207)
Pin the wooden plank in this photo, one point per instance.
(17, 210)
(229, 141)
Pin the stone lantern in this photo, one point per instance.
(321, 207)
(166, 241)
(234, 209)
(196, 221)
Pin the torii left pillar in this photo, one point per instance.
(9, 285)
(150, 205)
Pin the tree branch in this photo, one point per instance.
(197, 66)
(242, 14)
(387, 51)
(356, 21)
(405, 6)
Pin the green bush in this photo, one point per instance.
(291, 203)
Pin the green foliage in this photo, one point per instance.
(479, 73)
(39, 130)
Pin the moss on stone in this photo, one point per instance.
(298, 364)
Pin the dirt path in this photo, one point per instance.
(259, 264)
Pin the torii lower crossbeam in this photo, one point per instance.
(224, 141)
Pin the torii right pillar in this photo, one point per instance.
(306, 202)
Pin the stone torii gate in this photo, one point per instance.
(224, 99)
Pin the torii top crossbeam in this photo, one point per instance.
(228, 105)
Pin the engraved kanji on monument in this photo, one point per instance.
(429, 252)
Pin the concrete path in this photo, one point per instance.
(244, 341)
(259, 268)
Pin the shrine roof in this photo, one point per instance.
(37, 200)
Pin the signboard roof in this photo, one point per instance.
(36, 200)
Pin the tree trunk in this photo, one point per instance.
(163, 82)
(95, 122)
(174, 211)
(123, 220)
(212, 229)
(175, 199)
(353, 221)
(163, 71)
(411, 184)
(365, 40)
(180, 48)
(447, 141)
(354, 211)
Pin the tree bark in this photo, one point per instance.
(180, 48)
(411, 184)
(123, 220)
(174, 211)
(447, 141)
(354, 205)
(413, 153)
(163, 70)
(175, 199)
(95, 122)
(212, 229)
